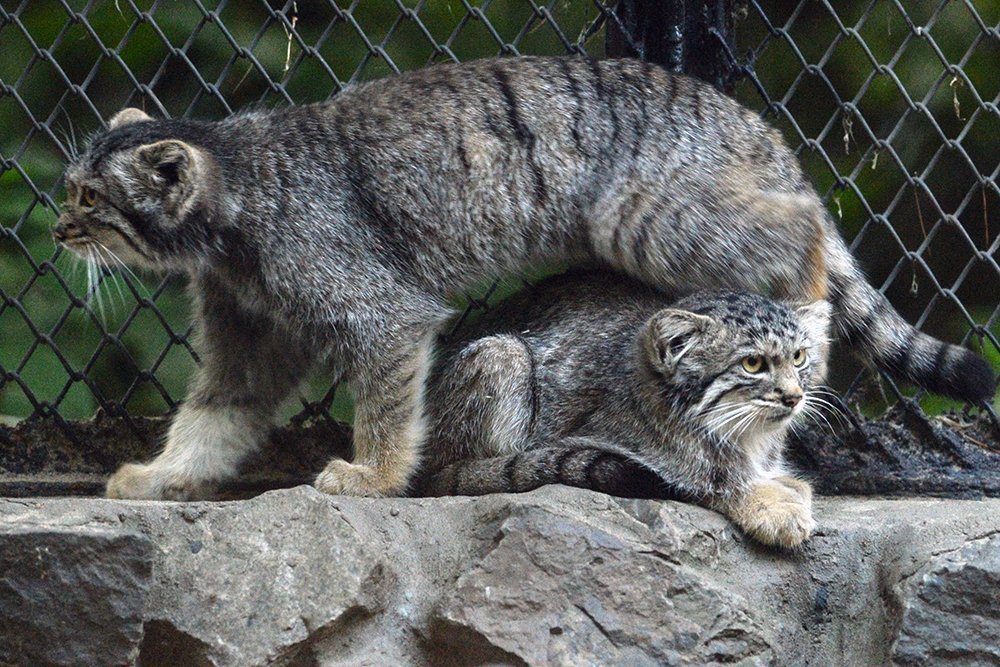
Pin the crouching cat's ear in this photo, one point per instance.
(126, 116)
(176, 169)
(671, 333)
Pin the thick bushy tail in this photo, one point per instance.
(593, 469)
(875, 330)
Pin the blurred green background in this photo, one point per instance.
(67, 67)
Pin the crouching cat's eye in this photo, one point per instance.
(799, 357)
(752, 363)
(88, 197)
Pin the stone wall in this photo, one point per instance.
(557, 576)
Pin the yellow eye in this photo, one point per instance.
(753, 364)
(88, 197)
(799, 357)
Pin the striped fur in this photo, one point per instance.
(340, 230)
(875, 331)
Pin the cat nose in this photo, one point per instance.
(791, 398)
(64, 230)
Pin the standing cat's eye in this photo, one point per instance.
(799, 357)
(88, 197)
(753, 363)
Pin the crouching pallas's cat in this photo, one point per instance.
(333, 233)
(597, 381)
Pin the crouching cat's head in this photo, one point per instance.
(739, 364)
(146, 192)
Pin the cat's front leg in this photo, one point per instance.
(248, 367)
(205, 445)
(773, 512)
(389, 423)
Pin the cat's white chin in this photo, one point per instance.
(774, 416)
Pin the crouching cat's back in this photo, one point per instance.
(580, 330)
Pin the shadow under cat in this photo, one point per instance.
(898, 454)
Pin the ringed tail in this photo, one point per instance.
(586, 468)
(874, 329)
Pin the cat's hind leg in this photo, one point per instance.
(482, 402)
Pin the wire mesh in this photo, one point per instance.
(893, 110)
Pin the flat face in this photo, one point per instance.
(756, 364)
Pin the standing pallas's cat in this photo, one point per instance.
(596, 381)
(333, 233)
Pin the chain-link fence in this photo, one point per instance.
(893, 110)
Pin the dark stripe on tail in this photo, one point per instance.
(593, 469)
(875, 331)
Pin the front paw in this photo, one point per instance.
(774, 512)
(352, 479)
(134, 481)
(801, 487)
(783, 523)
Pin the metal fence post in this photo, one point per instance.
(689, 36)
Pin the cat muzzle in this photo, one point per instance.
(791, 400)
(67, 231)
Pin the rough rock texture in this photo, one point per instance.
(557, 576)
(952, 613)
(59, 582)
(595, 569)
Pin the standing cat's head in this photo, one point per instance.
(742, 365)
(146, 192)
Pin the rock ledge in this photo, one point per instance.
(556, 576)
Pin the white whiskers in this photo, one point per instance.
(103, 266)
(815, 406)
(729, 420)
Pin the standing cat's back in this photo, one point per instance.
(464, 168)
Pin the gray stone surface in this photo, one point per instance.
(71, 595)
(557, 590)
(557, 576)
(951, 612)
(252, 582)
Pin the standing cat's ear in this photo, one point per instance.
(671, 333)
(126, 116)
(179, 170)
(173, 161)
